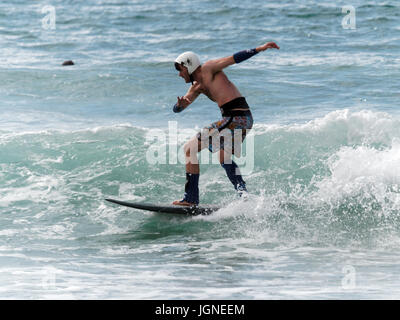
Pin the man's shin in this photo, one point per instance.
(233, 173)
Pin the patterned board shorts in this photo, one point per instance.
(226, 133)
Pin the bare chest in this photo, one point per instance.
(218, 88)
(205, 90)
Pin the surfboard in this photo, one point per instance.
(169, 208)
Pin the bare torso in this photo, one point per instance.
(217, 87)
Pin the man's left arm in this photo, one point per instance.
(220, 64)
(246, 54)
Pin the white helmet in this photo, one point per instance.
(188, 59)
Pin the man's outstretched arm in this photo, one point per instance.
(220, 64)
(246, 54)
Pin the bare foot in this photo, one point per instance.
(183, 203)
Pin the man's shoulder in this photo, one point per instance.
(208, 70)
(207, 66)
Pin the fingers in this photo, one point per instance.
(269, 45)
(273, 45)
(183, 101)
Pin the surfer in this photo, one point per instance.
(209, 79)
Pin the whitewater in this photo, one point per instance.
(322, 220)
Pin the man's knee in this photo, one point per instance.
(186, 149)
(225, 157)
(190, 149)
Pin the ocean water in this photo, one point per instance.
(322, 220)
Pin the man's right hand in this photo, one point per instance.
(183, 102)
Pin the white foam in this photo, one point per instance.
(333, 59)
(364, 126)
(53, 129)
(366, 170)
(38, 189)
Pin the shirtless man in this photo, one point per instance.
(209, 79)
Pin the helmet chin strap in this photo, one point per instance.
(191, 77)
